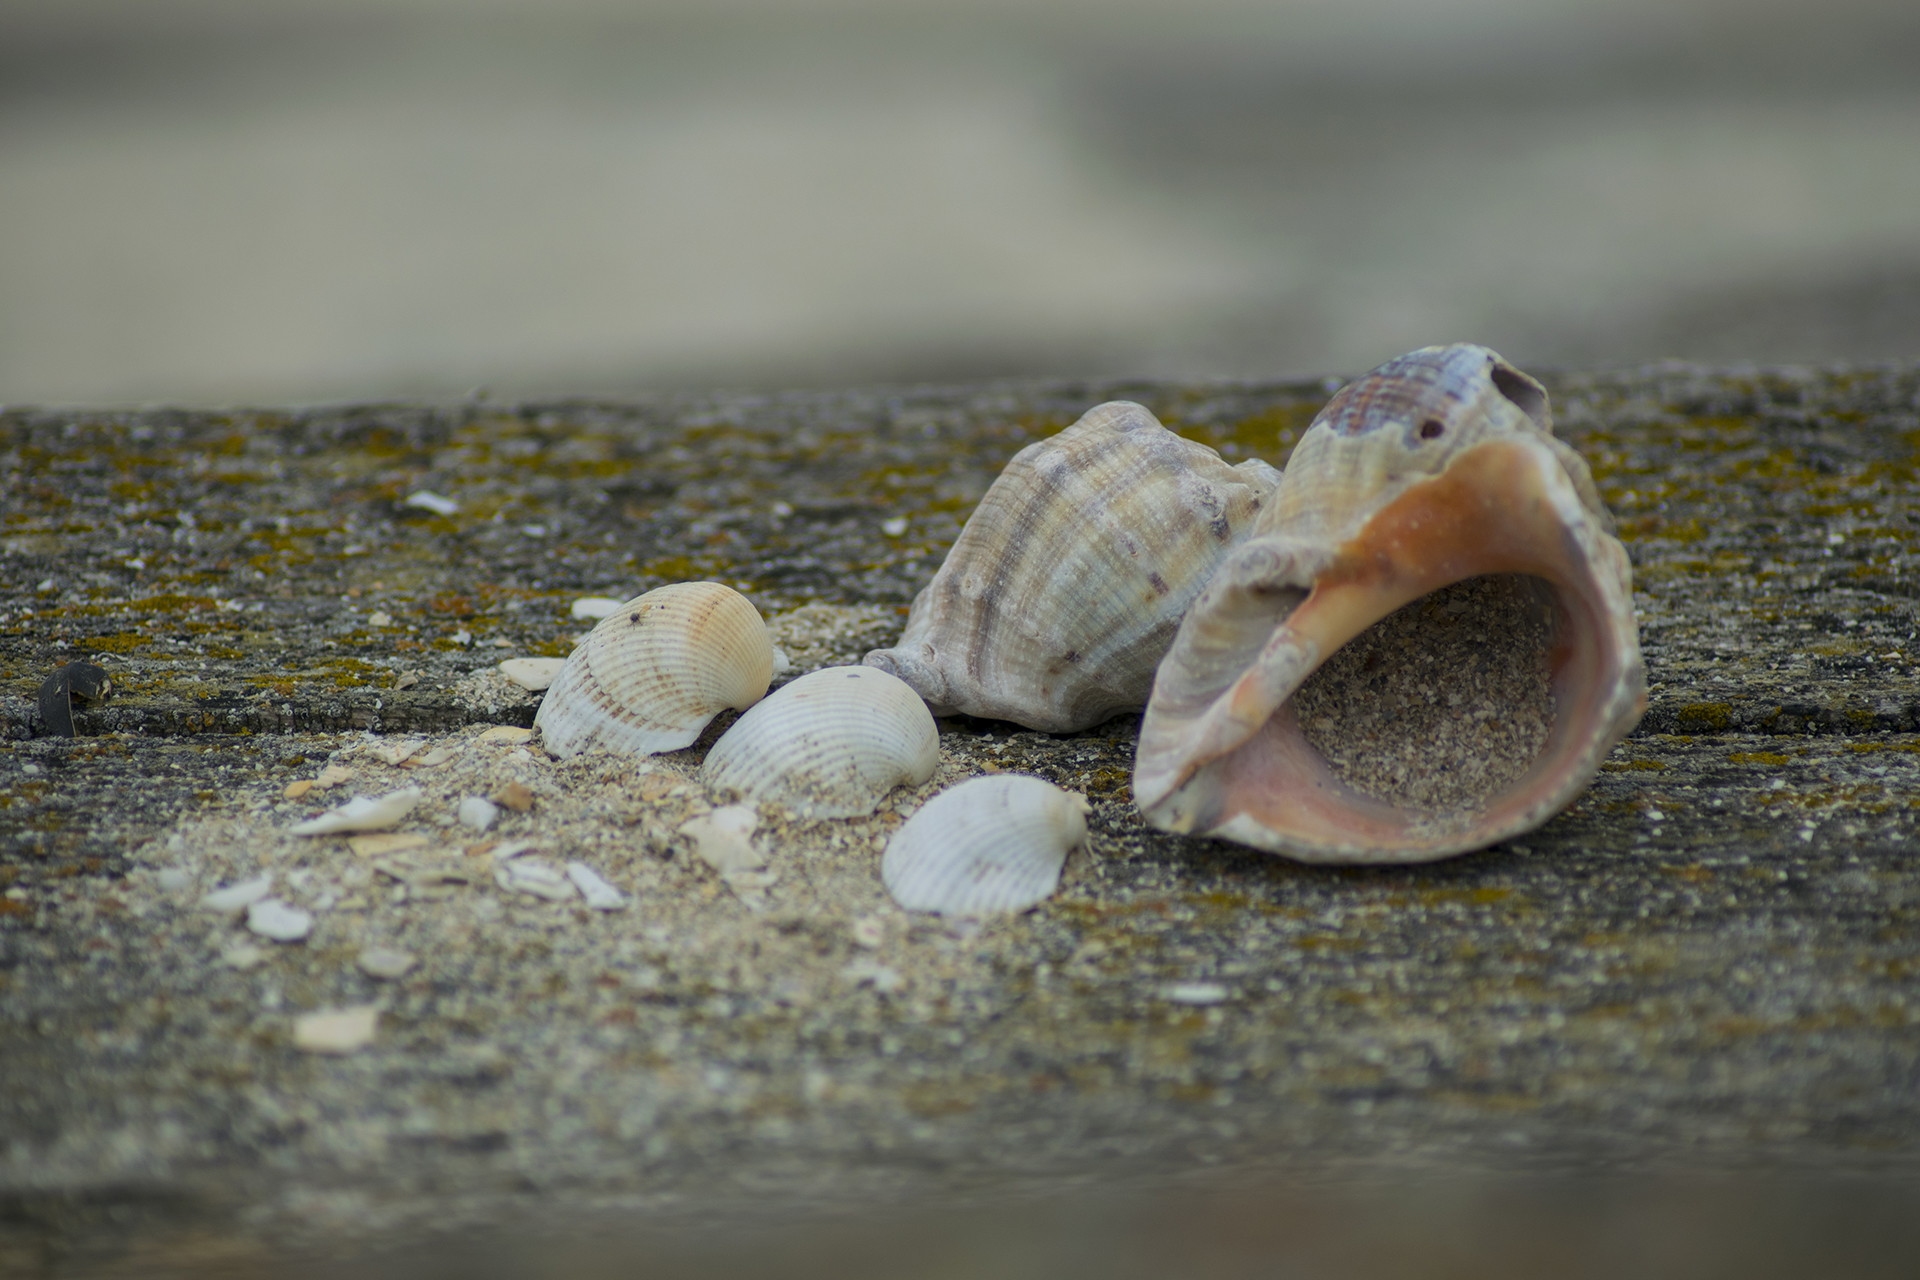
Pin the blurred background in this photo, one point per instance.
(220, 201)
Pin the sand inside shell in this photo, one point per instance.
(1443, 704)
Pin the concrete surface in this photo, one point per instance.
(1671, 1032)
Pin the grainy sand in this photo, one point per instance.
(1444, 703)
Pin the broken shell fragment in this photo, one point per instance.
(477, 812)
(386, 962)
(240, 896)
(594, 607)
(724, 838)
(362, 813)
(831, 744)
(336, 1031)
(600, 895)
(532, 674)
(1427, 644)
(529, 875)
(272, 918)
(1066, 586)
(649, 677)
(987, 846)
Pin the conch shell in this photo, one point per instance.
(650, 676)
(1066, 586)
(1427, 644)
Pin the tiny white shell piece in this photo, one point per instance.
(427, 500)
(989, 845)
(386, 962)
(600, 895)
(478, 812)
(336, 1030)
(724, 838)
(650, 676)
(362, 813)
(595, 607)
(238, 897)
(830, 745)
(272, 918)
(532, 674)
(397, 752)
(529, 875)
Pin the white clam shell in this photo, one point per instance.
(987, 846)
(1069, 580)
(649, 677)
(831, 744)
(1427, 516)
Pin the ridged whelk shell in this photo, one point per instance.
(1426, 646)
(649, 677)
(829, 745)
(989, 845)
(1065, 587)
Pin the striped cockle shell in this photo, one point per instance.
(831, 744)
(649, 677)
(1427, 517)
(1067, 583)
(990, 845)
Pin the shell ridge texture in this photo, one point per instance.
(830, 744)
(649, 676)
(987, 846)
(1066, 584)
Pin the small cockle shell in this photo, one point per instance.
(1427, 644)
(987, 846)
(1065, 587)
(829, 745)
(650, 676)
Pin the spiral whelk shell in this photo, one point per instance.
(649, 677)
(1426, 645)
(831, 744)
(990, 845)
(1066, 586)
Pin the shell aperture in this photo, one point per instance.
(1433, 471)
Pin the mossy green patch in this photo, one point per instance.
(1705, 716)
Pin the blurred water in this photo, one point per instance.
(210, 202)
